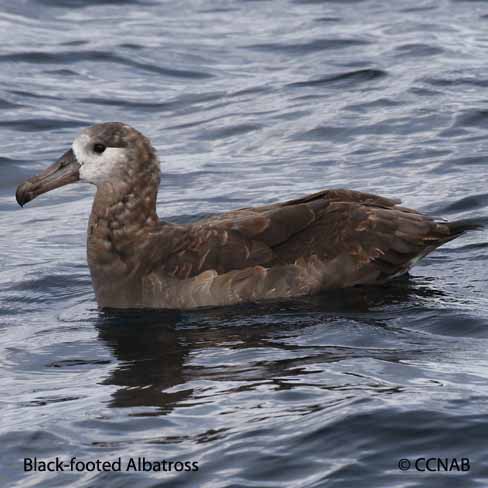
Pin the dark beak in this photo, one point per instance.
(64, 171)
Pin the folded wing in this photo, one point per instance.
(340, 237)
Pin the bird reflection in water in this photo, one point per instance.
(153, 348)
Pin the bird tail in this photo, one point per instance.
(458, 227)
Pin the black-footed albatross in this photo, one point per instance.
(331, 239)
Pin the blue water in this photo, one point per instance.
(247, 102)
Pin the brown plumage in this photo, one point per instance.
(331, 239)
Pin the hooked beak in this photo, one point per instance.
(64, 171)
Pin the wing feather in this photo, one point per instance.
(357, 237)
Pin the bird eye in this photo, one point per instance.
(99, 148)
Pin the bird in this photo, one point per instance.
(332, 239)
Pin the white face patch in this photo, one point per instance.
(96, 168)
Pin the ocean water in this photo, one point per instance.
(247, 102)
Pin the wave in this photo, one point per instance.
(342, 79)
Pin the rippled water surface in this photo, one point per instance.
(247, 102)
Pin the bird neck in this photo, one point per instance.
(122, 214)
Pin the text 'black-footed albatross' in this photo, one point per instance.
(331, 239)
